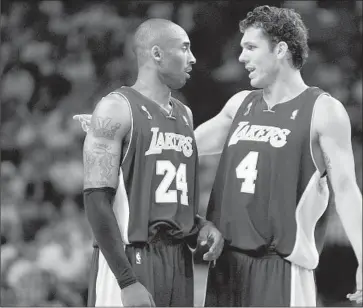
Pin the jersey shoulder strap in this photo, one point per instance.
(247, 103)
(180, 109)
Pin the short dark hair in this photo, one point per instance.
(281, 24)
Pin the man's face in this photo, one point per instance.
(177, 60)
(259, 58)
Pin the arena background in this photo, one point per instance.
(59, 58)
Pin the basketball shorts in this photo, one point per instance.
(164, 267)
(239, 280)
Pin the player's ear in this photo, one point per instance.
(281, 49)
(156, 53)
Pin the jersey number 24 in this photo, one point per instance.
(163, 193)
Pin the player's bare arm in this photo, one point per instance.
(210, 138)
(110, 124)
(332, 131)
(218, 127)
(208, 233)
(102, 146)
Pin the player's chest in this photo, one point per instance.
(163, 137)
(269, 130)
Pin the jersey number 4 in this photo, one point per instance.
(247, 170)
(163, 193)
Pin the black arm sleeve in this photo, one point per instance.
(98, 207)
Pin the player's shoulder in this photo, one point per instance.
(115, 108)
(235, 102)
(329, 113)
(326, 105)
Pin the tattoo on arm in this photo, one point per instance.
(327, 161)
(89, 161)
(99, 164)
(102, 128)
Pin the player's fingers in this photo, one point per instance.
(357, 296)
(85, 127)
(210, 255)
(82, 117)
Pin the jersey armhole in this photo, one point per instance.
(324, 172)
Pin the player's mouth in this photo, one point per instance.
(251, 70)
(187, 72)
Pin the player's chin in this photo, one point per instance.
(254, 82)
(178, 84)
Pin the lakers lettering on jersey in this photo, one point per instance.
(169, 141)
(274, 135)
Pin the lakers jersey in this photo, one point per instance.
(268, 191)
(158, 171)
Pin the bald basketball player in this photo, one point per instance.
(140, 188)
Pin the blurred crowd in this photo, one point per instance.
(59, 58)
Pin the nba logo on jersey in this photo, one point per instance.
(294, 114)
(147, 112)
(138, 258)
(186, 121)
(248, 109)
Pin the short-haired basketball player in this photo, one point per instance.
(280, 143)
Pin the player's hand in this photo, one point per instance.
(85, 120)
(357, 296)
(210, 235)
(136, 295)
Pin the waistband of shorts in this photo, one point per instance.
(166, 239)
(263, 252)
(159, 238)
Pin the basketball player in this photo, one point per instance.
(143, 213)
(280, 143)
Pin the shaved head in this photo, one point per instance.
(154, 31)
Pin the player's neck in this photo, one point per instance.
(153, 89)
(285, 88)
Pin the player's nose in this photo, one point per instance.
(192, 59)
(242, 57)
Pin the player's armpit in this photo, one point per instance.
(102, 148)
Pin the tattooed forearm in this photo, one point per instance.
(101, 127)
(100, 165)
(327, 161)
